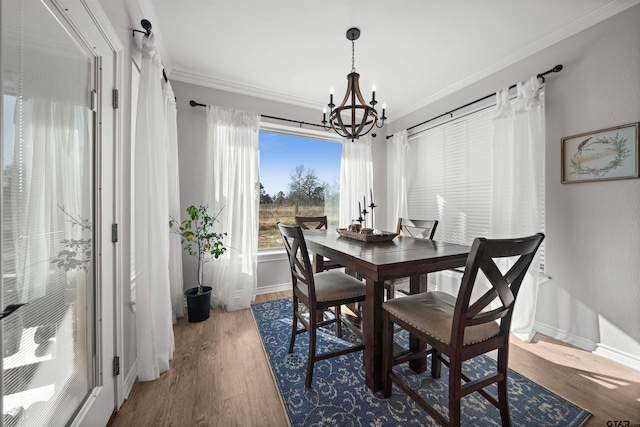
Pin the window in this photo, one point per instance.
(448, 177)
(299, 175)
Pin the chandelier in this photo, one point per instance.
(357, 118)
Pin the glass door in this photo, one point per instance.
(48, 218)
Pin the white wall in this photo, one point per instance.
(592, 229)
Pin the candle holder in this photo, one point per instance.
(372, 206)
(364, 216)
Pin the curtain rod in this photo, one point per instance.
(197, 104)
(555, 69)
(146, 24)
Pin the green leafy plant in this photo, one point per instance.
(198, 237)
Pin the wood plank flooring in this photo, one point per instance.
(220, 376)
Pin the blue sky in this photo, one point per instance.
(280, 154)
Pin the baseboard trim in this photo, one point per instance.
(261, 290)
(599, 349)
(616, 355)
(130, 380)
(564, 336)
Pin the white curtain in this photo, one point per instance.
(517, 184)
(356, 179)
(49, 191)
(232, 184)
(175, 245)
(397, 152)
(154, 329)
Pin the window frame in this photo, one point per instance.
(271, 254)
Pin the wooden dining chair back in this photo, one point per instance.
(317, 223)
(312, 222)
(416, 228)
(318, 292)
(463, 327)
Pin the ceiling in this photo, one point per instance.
(415, 52)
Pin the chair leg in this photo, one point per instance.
(455, 378)
(391, 290)
(503, 397)
(436, 364)
(311, 360)
(338, 321)
(294, 328)
(387, 354)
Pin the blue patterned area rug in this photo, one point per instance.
(340, 397)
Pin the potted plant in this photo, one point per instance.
(199, 239)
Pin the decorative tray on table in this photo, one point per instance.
(376, 236)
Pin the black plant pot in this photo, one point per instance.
(198, 305)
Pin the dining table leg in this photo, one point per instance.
(417, 284)
(372, 334)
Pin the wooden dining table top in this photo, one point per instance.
(401, 257)
(379, 261)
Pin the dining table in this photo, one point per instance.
(375, 262)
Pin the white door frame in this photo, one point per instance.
(88, 19)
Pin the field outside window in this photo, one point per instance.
(299, 176)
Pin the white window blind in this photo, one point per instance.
(449, 178)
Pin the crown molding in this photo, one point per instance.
(244, 89)
(589, 20)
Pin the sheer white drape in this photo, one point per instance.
(356, 178)
(397, 152)
(173, 176)
(517, 184)
(49, 180)
(232, 184)
(154, 329)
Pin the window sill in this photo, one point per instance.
(269, 255)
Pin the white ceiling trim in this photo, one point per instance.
(575, 27)
(244, 89)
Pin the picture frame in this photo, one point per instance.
(601, 155)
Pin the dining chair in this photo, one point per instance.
(317, 223)
(461, 328)
(416, 228)
(318, 292)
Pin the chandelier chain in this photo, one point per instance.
(353, 56)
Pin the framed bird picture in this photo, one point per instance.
(600, 155)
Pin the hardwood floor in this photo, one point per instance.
(220, 376)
